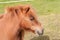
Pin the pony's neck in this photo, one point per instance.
(8, 26)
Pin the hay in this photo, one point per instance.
(41, 38)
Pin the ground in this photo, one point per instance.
(48, 12)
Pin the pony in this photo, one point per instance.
(17, 20)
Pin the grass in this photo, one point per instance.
(42, 6)
(49, 15)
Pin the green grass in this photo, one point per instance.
(41, 6)
(49, 15)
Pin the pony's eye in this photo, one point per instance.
(32, 18)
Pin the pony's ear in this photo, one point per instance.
(27, 9)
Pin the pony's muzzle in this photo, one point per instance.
(40, 32)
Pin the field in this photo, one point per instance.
(48, 12)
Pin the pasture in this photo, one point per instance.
(48, 12)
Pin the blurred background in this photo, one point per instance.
(48, 12)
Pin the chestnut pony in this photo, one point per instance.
(16, 20)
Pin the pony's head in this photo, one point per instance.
(28, 19)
